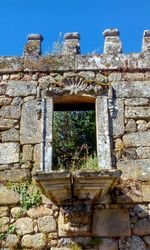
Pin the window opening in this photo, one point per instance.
(74, 136)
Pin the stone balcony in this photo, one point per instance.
(62, 186)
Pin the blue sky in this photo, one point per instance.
(88, 17)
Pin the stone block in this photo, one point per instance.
(136, 102)
(118, 119)
(137, 139)
(131, 243)
(97, 62)
(5, 101)
(8, 196)
(46, 81)
(16, 212)
(133, 89)
(134, 169)
(21, 88)
(137, 112)
(146, 191)
(27, 153)
(106, 221)
(11, 64)
(10, 112)
(35, 241)
(143, 152)
(11, 241)
(4, 211)
(14, 175)
(38, 212)
(50, 63)
(142, 227)
(107, 243)
(11, 135)
(147, 240)
(46, 224)
(9, 153)
(7, 124)
(30, 130)
(4, 221)
(24, 226)
(74, 221)
(131, 126)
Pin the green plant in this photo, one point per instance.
(91, 164)
(75, 246)
(2, 236)
(74, 137)
(28, 199)
(11, 229)
(94, 241)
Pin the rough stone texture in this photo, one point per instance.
(21, 88)
(136, 102)
(27, 154)
(118, 119)
(131, 126)
(11, 64)
(105, 222)
(46, 81)
(39, 212)
(142, 227)
(47, 224)
(11, 135)
(89, 75)
(4, 222)
(37, 241)
(74, 220)
(4, 211)
(132, 89)
(137, 112)
(37, 157)
(24, 226)
(8, 196)
(145, 191)
(10, 112)
(16, 212)
(141, 210)
(7, 124)
(137, 139)
(17, 101)
(147, 240)
(5, 101)
(30, 131)
(143, 152)
(134, 169)
(11, 241)
(106, 244)
(14, 175)
(9, 153)
(133, 243)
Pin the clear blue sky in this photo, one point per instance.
(88, 17)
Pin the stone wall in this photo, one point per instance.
(118, 221)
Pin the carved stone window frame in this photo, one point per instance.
(78, 85)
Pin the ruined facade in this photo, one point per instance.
(108, 209)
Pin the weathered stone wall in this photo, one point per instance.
(120, 221)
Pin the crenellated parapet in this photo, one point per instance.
(69, 58)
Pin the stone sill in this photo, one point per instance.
(62, 186)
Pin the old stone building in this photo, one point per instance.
(107, 209)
